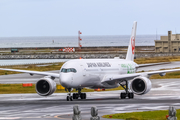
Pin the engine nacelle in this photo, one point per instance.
(45, 86)
(140, 85)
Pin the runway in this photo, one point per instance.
(174, 65)
(164, 93)
(23, 78)
(10, 62)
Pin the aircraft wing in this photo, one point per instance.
(119, 78)
(152, 64)
(54, 75)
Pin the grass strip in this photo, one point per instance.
(18, 88)
(146, 115)
(167, 76)
(157, 59)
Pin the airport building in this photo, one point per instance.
(170, 43)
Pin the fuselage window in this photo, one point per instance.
(64, 70)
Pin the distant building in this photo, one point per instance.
(170, 43)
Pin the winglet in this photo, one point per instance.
(131, 47)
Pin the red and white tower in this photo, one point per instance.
(79, 39)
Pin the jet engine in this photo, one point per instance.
(45, 86)
(140, 85)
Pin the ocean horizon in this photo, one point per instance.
(72, 41)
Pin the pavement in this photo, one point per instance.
(164, 93)
(163, 66)
(23, 78)
(9, 62)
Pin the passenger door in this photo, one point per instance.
(83, 70)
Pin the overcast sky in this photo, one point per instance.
(19, 18)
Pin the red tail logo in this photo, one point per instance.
(133, 44)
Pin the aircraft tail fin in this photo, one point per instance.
(131, 47)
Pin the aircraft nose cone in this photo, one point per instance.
(65, 80)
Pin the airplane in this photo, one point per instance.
(98, 74)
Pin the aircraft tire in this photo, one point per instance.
(70, 98)
(84, 95)
(74, 95)
(81, 96)
(130, 95)
(67, 98)
(123, 95)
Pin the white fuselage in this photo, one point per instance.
(82, 73)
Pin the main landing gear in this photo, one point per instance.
(75, 95)
(125, 94)
(79, 95)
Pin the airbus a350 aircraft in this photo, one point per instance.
(98, 74)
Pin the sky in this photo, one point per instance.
(24, 18)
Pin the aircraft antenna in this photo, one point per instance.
(156, 33)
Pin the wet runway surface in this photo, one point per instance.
(23, 78)
(163, 66)
(164, 93)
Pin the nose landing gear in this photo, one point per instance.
(79, 94)
(69, 97)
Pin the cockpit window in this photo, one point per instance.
(64, 70)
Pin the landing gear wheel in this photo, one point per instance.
(67, 98)
(130, 95)
(70, 98)
(77, 95)
(123, 95)
(83, 95)
(74, 96)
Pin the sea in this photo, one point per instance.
(68, 41)
(72, 41)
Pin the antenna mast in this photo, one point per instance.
(156, 33)
(79, 40)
